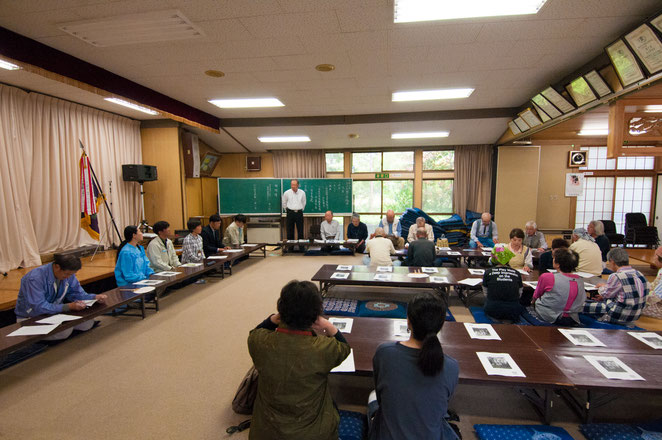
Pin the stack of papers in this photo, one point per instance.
(481, 331)
(347, 365)
(58, 319)
(340, 275)
(442, 280)
(499, 364)
(612, 367)
(581, 337)
(342, 324)
(471, 281)
(30, 330)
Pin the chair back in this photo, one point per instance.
(610, 226)
(314, 231)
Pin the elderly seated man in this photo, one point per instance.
(330, 229)
(380, 250)
(590, 257)
(534, 239)
(484, 232)
(622, 299)
(421, 251)
(420, 223)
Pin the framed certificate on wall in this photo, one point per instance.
(580, 91)
(647, 47)
(521, 124)
(597, 83)
(513, 128)
(624, 62)
(657, 23)
(541, 114)
(559, 101)
(530, 118)
(546, 106)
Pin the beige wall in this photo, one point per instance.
(164, 198)
(553, 208)
(517, 188)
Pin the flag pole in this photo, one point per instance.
(101, 193)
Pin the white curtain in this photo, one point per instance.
(39, 138)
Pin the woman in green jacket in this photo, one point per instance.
(293, 352)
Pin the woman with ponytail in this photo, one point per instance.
(132, 263)
(414, 379)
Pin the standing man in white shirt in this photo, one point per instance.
(294, 202)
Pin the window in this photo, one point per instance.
(438, 196)
(597, 160)
(596, 202)
(372, 198)
(398, 161)
(335, 162)
(438, 161)
(633, 194)
(367, 196)
(398, 195)
(366, 162)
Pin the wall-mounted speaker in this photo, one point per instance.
(577, 158)
(253, 163)
(138, 173)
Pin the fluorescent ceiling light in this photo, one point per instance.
(425, 95)
(593, 132)
(426, 10)
(7, 65)
(133, 106)
(284, 139)
(653, 109)
(421, 135)
(247, 103)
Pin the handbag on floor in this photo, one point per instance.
(245, 397)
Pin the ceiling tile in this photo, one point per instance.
(288, 25)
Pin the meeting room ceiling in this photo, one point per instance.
(271, 48)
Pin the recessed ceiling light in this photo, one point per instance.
(325, 67)
(247, 103)
(420, 135)
(272, 139)
(7, 65)
(133, 106)
(214, 73)
(426, 10)
(593, 132)
(353, 136)
(426, 95)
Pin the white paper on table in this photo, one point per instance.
(149, 235)
(382, 277)
(352, 240)
(149, 282)
(531, 284)
(471, 281)
(487, 254)
(89, 302)
(429, 270)
(522, 271)
(453, 253)
(400, 329)
(589, 286)
(58, 319)
(233, 250)
(344, 325)
(481, 331)
(499, 364)
(477, 271)
(417, 275)
(340, 275)
(384, 268)
(331, 240)
(612, 367)
(584, 274)
(303, 240)
(581, 337)
(486, 248)
(29, 330)
(167, 273)
(144, 290)
(445, 248)
(443, 280)
(249, 244)
(317, 240)
(200, 264)
(347, 365)
(214, 257)
(551, 270)
(344, 267)
(651, 339)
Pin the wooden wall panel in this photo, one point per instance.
(553, 206)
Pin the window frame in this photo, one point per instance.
(433, 213)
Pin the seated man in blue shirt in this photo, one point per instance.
(51, 289)
(484, 232)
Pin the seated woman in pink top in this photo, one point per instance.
(560, 296)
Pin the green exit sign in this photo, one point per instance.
(381, 175)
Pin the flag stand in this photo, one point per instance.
(101, 194)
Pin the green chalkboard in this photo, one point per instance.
(249, 196)
(325, 194)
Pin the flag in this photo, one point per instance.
(89, 199)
